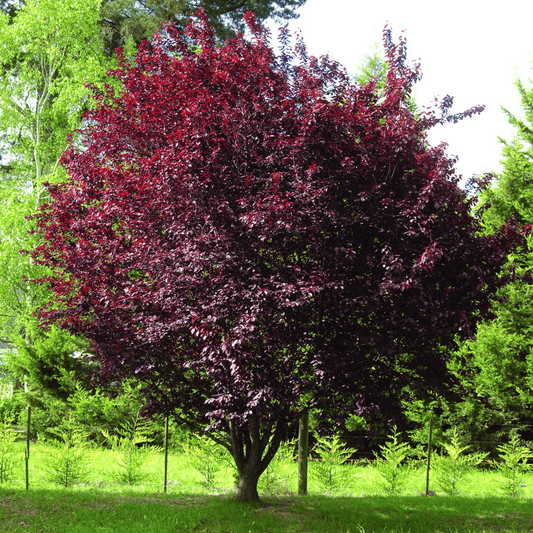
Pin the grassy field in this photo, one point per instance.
(357, 505)
(69, 511)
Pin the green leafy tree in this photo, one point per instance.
(68, 463)
(94, 410)
(49, 49)
(50, 360)
(511, 193)
(329, 469)
(500, 371)
(10, 7)
(502, 351)
(48, 52)
(131, 445)
(374, 67)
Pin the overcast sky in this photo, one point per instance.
(471, 50)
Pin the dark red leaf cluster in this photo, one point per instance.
(250, 234)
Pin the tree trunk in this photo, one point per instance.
(253, 448)
(247, 487)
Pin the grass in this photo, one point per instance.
(103, 505)
(69, 511)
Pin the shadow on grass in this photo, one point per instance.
(421, 514)
(73, 511)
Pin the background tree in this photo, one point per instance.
(45, 64)
(253, 236)
(9, 7)
(131, 19)
(510, 194)
(48, 50)
(502, 351)
(374, 68)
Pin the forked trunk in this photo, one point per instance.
(253, 448)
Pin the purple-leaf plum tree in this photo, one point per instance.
(253, 235)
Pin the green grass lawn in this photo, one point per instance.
(68, 511)
(357, 505)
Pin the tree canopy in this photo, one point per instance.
(253, 236)
(48, 50)
(510, 195)
(132, 19)
(502, 351)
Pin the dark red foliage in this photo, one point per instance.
(252, 235)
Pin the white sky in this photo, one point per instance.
(472, 50)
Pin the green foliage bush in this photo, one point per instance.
(207, 458)
(7, 449)
(12, 406)
(328, 470)
(94, 410)
(131, 444)
(452, 469)
(391, 464)
(48, 360)
(514, 457)
(67, 465)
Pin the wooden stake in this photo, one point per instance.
(429, 455)
(27, 450)
(303, 453)
(166, 454)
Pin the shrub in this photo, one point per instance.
(12, 405)
(93, 410)
(452, 469)
(391, 465)
(7, 449)
(207, 458)
(328, 470)
(67, 464)
(130, 443)
(514, 465)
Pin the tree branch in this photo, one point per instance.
(232, 6)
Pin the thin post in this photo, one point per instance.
(429, 455)
(27, 450)
(166, 454)
(303, 453)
